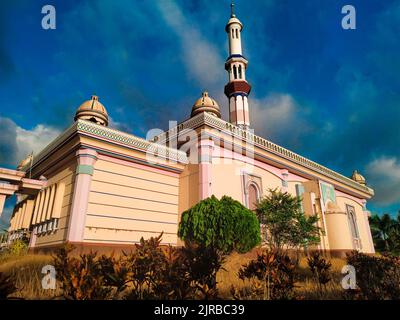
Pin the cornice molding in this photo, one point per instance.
(264, 144)
(83, 127)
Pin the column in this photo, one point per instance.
(366, 215)
(32, 240)
(6, 190)
(84, 171)
(2, 202)
(285, 175)
(205, 151)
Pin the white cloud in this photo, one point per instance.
(20, 141)
(200, 57)
(118, 125)
(383, 174)
(34, 140)
(273, 112)
(278, 117)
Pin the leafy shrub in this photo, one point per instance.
(145, 265)
(148, 272)
(275, 272)
(175, 281)
(377, 277)
(116, 273)
(321, 270)
(211, 230)
(202, 265)
(224, 225)
(81, 278)
(175, 273)
(18, 247)
(7, 286)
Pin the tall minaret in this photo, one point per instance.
(237, 88)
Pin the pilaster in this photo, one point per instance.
(84, 171)
(205, 153)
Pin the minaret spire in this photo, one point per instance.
(232, 9)
(237, 88)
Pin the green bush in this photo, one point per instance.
(224, 225)
(18, 248)
(212, 229)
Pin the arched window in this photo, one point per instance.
(352, 220)
(253, 197)
(240, 72)
(234, 72)
(237, 34)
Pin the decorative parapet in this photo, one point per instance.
(226, 127)
(128, 140)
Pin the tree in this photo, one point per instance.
(215, 228)
(284, 222)
(385, 233)
(225, 225)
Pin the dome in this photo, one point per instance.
(206, 104)
(92, 110)
(358, 177)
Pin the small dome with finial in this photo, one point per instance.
(358, 178)
(92, 110)
(206, 104)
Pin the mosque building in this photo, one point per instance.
(97, 187)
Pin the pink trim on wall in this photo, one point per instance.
(137, 165)
(205, 180)
(81, 196)
(368, 229)
(206, 149)
(228, 154)
(132, 148)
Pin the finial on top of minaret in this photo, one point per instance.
(232, 9)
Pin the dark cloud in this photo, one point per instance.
(8, 143)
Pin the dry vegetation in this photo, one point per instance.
(306, 286)
(26, 270)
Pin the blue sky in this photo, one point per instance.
(330, 94)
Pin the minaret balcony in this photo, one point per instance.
(237, 86)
